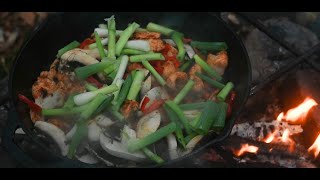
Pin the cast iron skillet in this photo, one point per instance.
(60, 29)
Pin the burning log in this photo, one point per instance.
(260, 130)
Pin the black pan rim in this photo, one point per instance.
(218, 139)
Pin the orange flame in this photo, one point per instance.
(315, 148)
(300, 112)
(285, 136)
(270, 137)
(246, 148)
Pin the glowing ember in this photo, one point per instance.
(315, 148)
(246, 148)
(300, 112)
(270, 137)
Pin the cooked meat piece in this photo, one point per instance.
(51, 81)
(129, 108)
(146, 35)
(172, 51)
(177, 80)
(134, 66)
(195, 68)
(156, 45)
(198, 84)
(78, 55)
(168, 69)
(218, 62)
(35, 116)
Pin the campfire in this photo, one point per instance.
(282, 136)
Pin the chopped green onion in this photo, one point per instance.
(161, 29)
(79, 135)
(154, 157)
(117, 115)
(123, 93)
(124, 37)
(99, 45)
(141, 45)
(112, 37)
(72, 45)
(132, 52)
(207, 117)
(209, 46)
(103, 42)
(122, 68)
(220, 120)
(63, 111)
(174, 118)
(158, 77)
(69, 103)
(175, 108)
(211, 72)
(187, 65)
(193, 106)
(146, 57)
(137, 144)
(103, 26)
(136, 85)
(181, 50)
(92, 107)
(89, 70)
(90, 87)
(185, 90)
(112, 67)
(210, 81)
(225, 91)
(119, 83)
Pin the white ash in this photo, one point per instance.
(255, 131)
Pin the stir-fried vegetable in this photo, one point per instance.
(99, 46)
(177, 38)
(175, 108)
(122, 68)
(137, 144)
(72, 45)
(123, 93)
(185, 90)
(82, 128)
(209, 46)
(132, 52)
(193, 106)
(225, 91)
(210, 81)
(174, 118)
(152, 156)
(86, 97)
(86, 71)
(158, 77)
(90, 87)
(112, 38)
(33, 106)
(146, 57)
(211, 72)
(136, 85)
(124, 37)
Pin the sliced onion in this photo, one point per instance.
(55, 133)
(93, 132)
(120, 150)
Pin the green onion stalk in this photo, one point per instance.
(158, 77)
(146, 57)
(99, 46)
(72, 45)
(112, 38)
(211, 72)
(124, 37)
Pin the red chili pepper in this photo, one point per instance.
(186, 40)
(230, 102)
(94, 81)
(144, 103)
(86, 42)
(155, 105)
(33, 106)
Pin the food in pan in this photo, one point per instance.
(139, 94)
